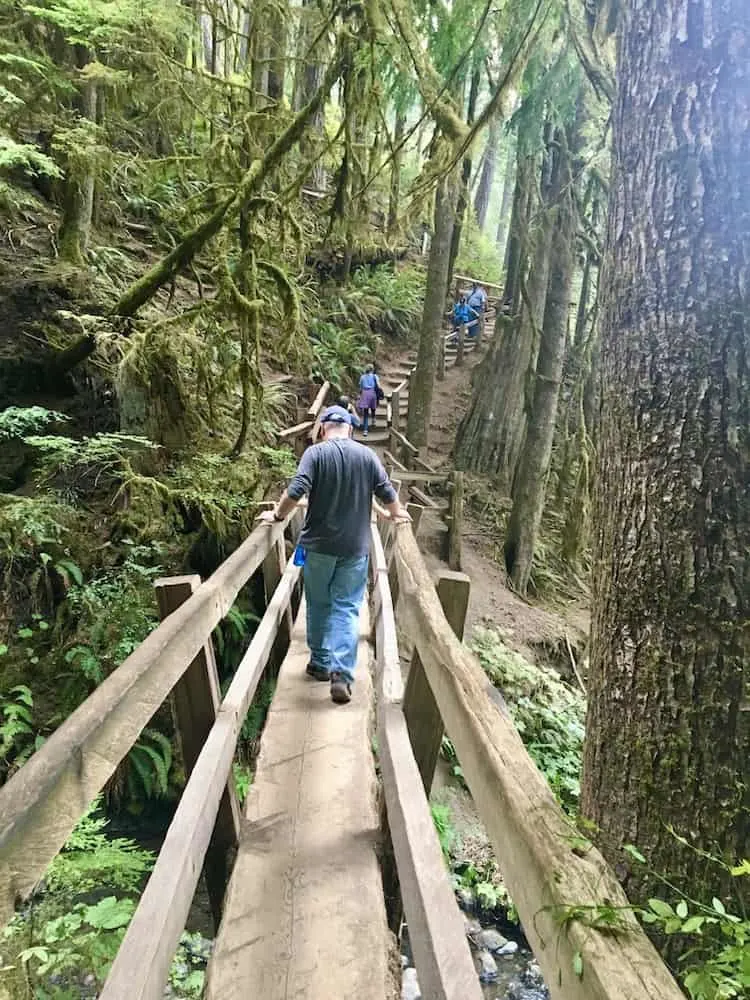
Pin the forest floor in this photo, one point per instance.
(538, 630)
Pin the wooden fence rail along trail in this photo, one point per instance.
(303, 864)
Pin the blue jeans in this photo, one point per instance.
(334, 588)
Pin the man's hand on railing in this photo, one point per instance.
(394, 513)
(279, 512)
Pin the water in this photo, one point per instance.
(518, 975)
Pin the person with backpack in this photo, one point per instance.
(370, 395)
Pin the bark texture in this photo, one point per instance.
(530, 483)
(423, 383)
(509, 177)
(667, 741)
(487, 176)
(491, 434)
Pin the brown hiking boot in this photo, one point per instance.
(317, 672)
(341, 689)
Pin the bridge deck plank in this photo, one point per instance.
(304, 914)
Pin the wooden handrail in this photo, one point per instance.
(436, 929)
(299, 430)
(43, 801)
(404, 442)
(317, 404)
(478, 281)
(141, 967)
(537, 848)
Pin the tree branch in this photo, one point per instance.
(146, 287)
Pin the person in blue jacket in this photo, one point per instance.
(464, 314)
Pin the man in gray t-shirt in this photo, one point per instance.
(340, 477)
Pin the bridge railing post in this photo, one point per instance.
(396, 409)
(423, 717)
(461, 345)
(455, 519)
(441, 359)
(273, 569)
(195, 698)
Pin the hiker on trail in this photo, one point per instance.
(463, 314)
(346, 404)
(370, 395)
(477, 299)
(339, 476)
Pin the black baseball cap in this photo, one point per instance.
(336, 415)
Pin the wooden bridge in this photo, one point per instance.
(336, 844)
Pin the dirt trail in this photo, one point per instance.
(533, 630)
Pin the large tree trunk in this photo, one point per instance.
(520, 223)
(530, 482)
(463, 191)
(490, 436)
(423, 383)
(667, 741)
(487, 176)
(509, 176)
(80, 180)
(308, 77)
(395, 190)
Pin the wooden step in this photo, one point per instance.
(379, 436)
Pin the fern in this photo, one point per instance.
(151, 761)
(19, 422)
(91, 859)
(26, 158)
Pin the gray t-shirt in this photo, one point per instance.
(339, 477)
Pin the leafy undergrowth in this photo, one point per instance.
(378, 302)
(97, 520)
(549, 716)
(552, 576)
(62, 944)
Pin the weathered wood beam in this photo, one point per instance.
(196, 697)
(444, 964)
(420, 708)
(537, 847)
(43, 801)
(317, 404)
(141, 967)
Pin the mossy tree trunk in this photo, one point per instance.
(509, 177)
(395, 189)
(80, 180)
(520, 223)
(530, 481)
(309, 73)
(487, 176)
(667, 742)
(423, 382)
(490, 436)
(463, 191)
